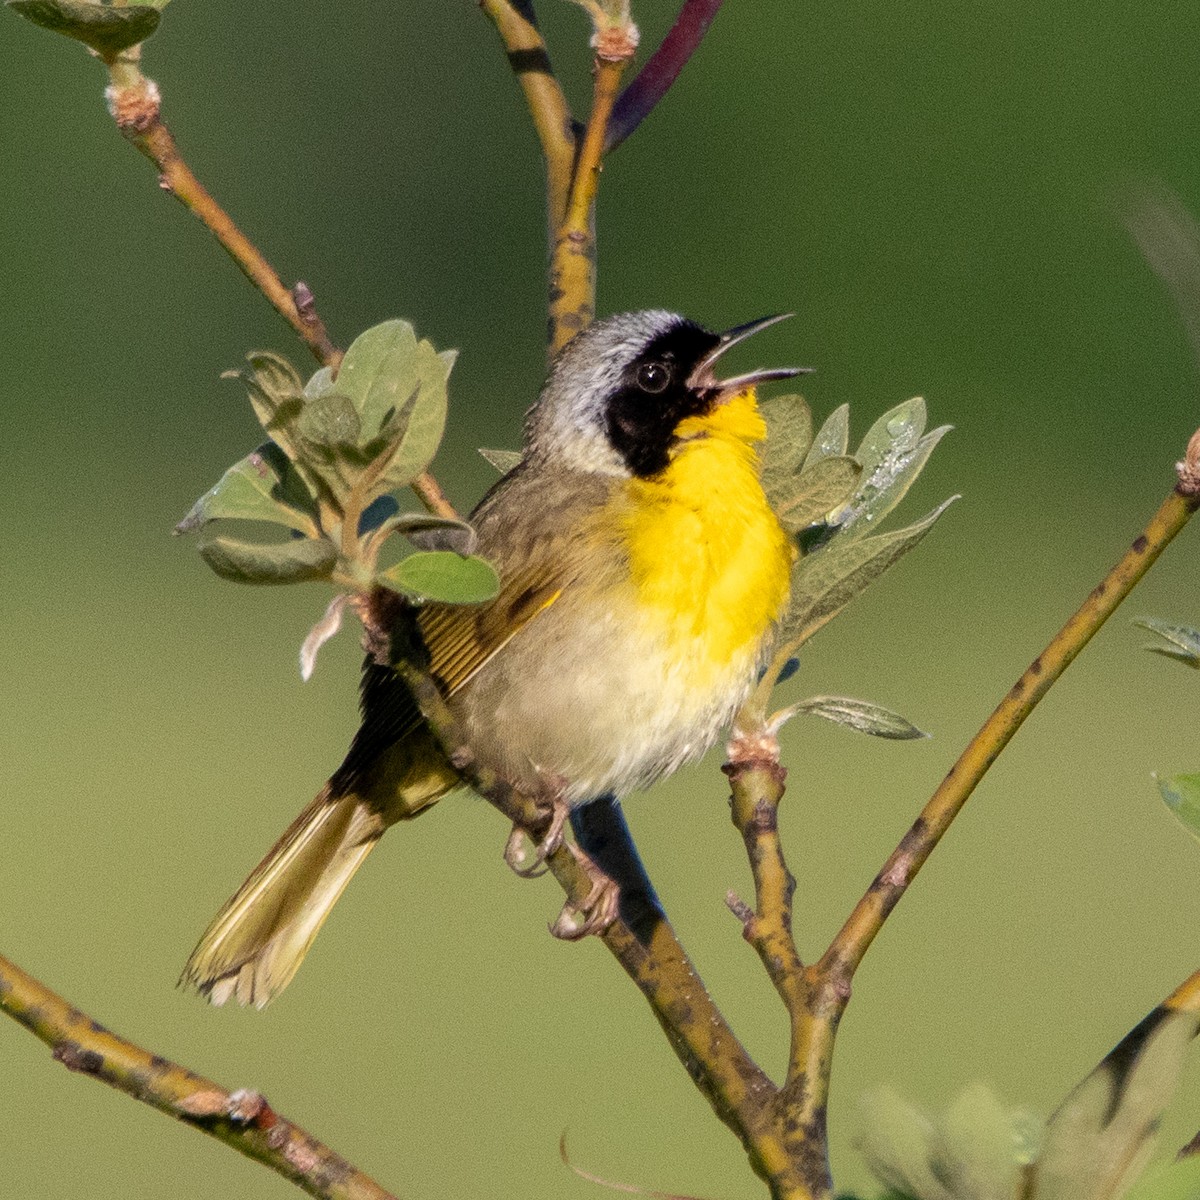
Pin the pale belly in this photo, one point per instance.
(601, 706)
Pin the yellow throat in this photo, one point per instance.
(705, 549)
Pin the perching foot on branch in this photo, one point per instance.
(596, 912)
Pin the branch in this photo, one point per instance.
(847, 949)
(242, 1119)
(530, 62)
(135, 103)
(662, 68)
(739, 1090)
(573, 253)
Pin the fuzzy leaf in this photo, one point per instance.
(387, 371)
(329, 422)
(789, 436)
(832, 438)
(1181, 794)
(503, 460)
(1099, 1140)
(277, 562)
(892, 454)
(859, 715)
(899, 428)
(976, 1151)
(431, 532)
(264, 486)
(276, 395)
(825, 582)
(442, 575)
(818, 490)
(319, 383)
(106, 29)
(1183, 642)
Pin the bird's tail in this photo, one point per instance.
(255, 944)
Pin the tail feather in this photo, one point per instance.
(255, 943)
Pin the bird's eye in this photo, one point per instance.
(653, 377)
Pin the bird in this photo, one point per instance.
(642, 575)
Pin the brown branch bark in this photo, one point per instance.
(136, 107)
(241, 1119)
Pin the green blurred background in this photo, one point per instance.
(931, 187)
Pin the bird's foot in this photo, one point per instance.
(596, 912)
(514, 849)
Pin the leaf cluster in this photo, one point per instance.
(832, 502)
(1094, 1147)
(339, 447)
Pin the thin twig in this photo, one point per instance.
(573, 255)
(243, 1119)
(847, 949)
(740, 1092)
(530, 62)
(135, 105)
(662, 68)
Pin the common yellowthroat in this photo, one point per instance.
(642, 573)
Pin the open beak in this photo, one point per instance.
(704, 379)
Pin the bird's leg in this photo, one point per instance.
(596, 912)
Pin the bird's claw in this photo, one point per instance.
(514, 848)
(596, 912)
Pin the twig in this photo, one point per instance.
(573, 254)
(556, 130)
(662, 68)
(136, 107)
(243, 1119)
(847, 949)
(739, 1090)
(135, 104)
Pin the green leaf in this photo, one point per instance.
(387, 371)
(892, 454)
(326, 434)
(977, 1151)
(329, 422)
(832, 438)
(899, 428)
(319, 383)
(276, 562)
(854, 714)
(442, 575)
(789, 436)
(823, 583)
(1183, 641)
(897, 1142)
(430, 532)
(1098, 1141)
(1181, 793)
(503, 460)
(276, 395)
(818, 490)
(264, 486)
(106, 29)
